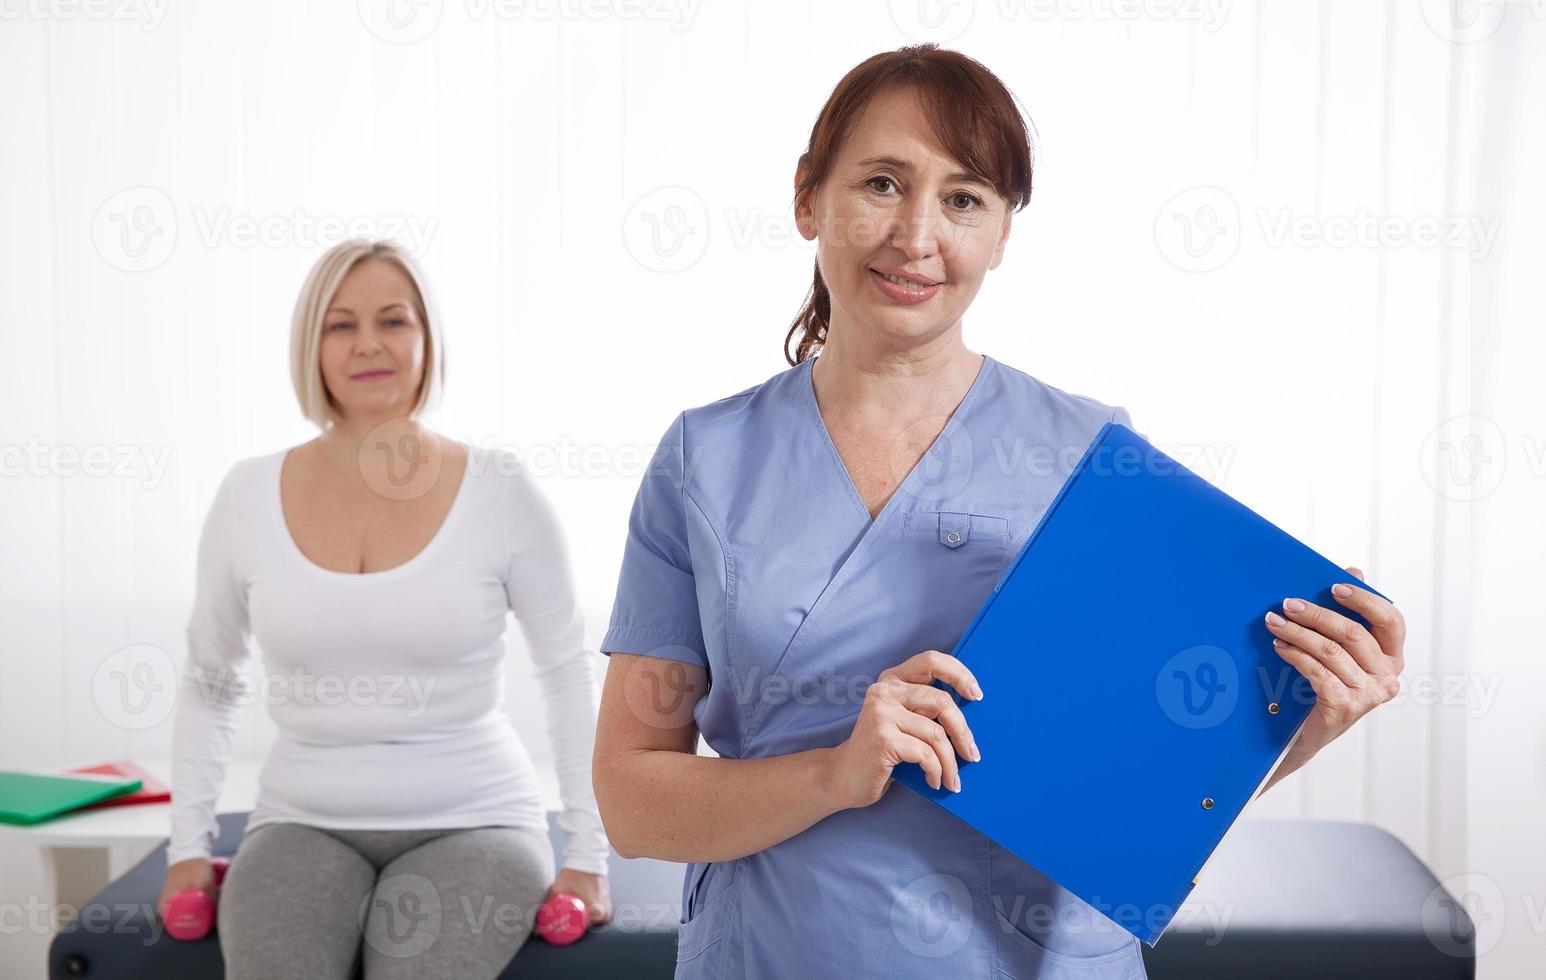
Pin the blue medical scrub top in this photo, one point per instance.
(751, 553)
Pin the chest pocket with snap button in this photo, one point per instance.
(964, 554)
(954, 529)
(972, 544)
(961, 555)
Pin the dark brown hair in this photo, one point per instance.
(972, 114)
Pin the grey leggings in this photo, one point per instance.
(304, 902)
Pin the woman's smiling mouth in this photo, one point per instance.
(904, 287)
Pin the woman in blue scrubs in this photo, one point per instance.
(801, 553)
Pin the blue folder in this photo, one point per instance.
(1133, 704)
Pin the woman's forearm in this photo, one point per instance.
(203, 740)
(674, 806)
(1293, 761)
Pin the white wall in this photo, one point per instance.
(600, 194)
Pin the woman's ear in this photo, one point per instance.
(1003, 237)
(804, 213)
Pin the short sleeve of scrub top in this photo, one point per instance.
(656, 610)
(751, 553)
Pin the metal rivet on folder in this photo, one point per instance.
(953, 537)
(1272, 708)
(1207, 802)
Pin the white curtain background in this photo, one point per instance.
(1301, 243)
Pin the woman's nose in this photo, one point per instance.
(916, 230)
(367, 339)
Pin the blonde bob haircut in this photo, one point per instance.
(317, 403)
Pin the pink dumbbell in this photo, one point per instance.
(190, 914)
(562, 919)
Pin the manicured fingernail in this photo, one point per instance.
(1273, 619)
(1279, 643)
(1293, 605)
(1341, 590)
(955, 785)
(976, 692)
(976, 753)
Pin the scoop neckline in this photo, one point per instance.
(277, 513)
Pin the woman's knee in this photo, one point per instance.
(292, 905)
(461, 905)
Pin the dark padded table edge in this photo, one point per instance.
(1325, 899)
(117, 935)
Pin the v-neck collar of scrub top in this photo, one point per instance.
(869, 534)
(956, 420)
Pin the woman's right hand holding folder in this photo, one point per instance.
(906, 718)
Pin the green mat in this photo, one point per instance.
(29, 798)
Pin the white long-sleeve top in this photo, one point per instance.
(387, 687)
